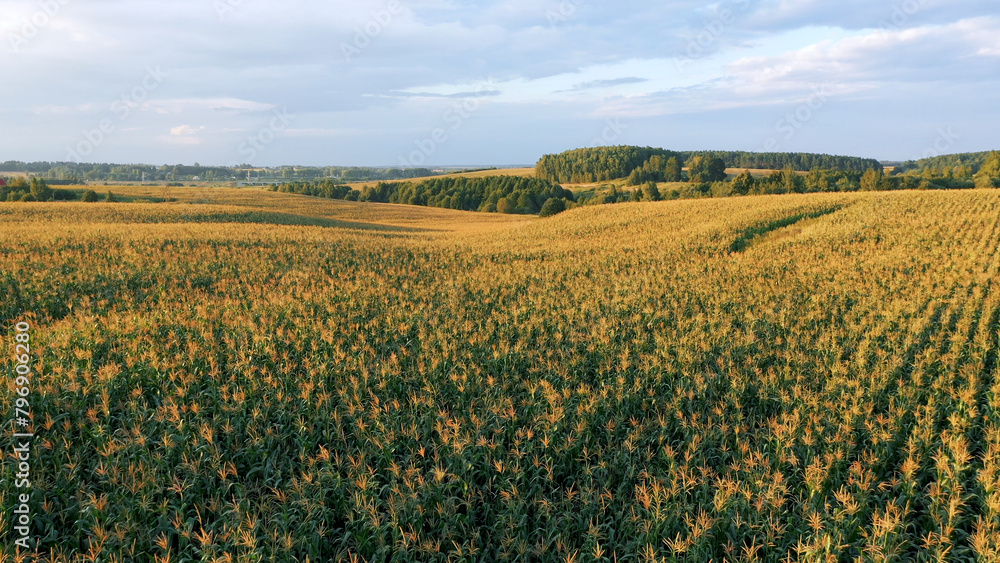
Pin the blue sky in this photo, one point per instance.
(452, 82)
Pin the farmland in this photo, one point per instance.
(254, 376)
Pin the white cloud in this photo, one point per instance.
(315, 132)
(919, 55)
(233, 105)
(186, 130)
(228, 74)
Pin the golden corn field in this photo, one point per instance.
(281, 378)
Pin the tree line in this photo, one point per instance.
(80, 173)
(959, 171)
(706, 177)
(801, 162)
(938, 164)
(602, 164)
(493, 194)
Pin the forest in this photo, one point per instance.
(603, 164)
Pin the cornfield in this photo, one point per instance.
(790, 378)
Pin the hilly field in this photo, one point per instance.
(249, 376)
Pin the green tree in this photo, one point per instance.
(707, 169)
(651, 192)
(40, 190)
(506, 206)
(872, 180)
(989, 172)
(110, 197)
(525, 204)
(716, 170)
(847, 185)
(817, 181)
(744, 183)
(553, 206)
(794, 184)
(90, 196)
(673, 171)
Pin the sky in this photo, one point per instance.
(466, 83)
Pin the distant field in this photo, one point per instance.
(201, 200)
(521, 172)
(757, 172)
(244, 375)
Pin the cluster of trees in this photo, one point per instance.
(988, 175)
(494, 194)
(91, 196)
(802, 162)
(600, 164)
(37, 189)
(603, 164)
(956, 171)
(701, 169)
(962, 164)
(324, 188)
(353, 174)
(657, 169)
(609, 194)
(790, 181)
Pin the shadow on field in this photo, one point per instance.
(138, 215)
(756, 232)
(276, 218)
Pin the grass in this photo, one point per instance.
(613, 383)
